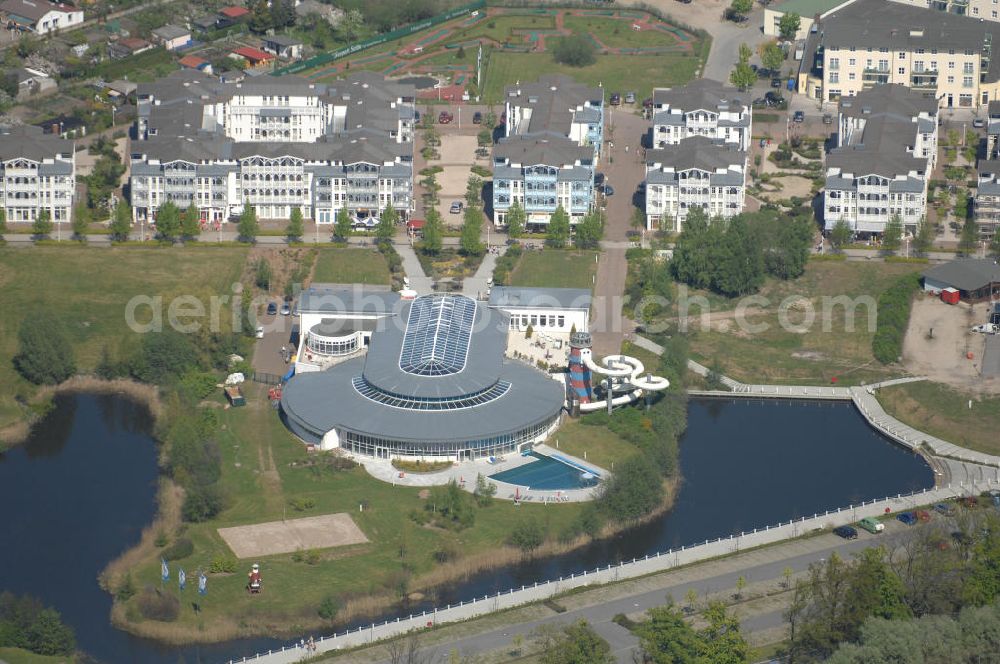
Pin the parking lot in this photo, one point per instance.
(268, 356)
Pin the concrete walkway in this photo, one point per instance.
(476, 285)
(419, 281)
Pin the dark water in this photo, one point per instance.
(83, 488)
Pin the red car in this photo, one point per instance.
(445, 117)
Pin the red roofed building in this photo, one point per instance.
(253, 56)
(234, 12)
(194, 62)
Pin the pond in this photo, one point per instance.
(81, 489)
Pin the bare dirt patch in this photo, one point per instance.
(273, 537)
(938, 342)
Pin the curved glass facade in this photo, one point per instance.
(332, 345)
(369, 391)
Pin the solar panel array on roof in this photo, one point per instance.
(438, 332)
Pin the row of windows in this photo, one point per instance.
(495, 446)
(538, 321)
(369, 391)
(325, 346)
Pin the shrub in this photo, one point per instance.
(202, 503)
(576, 51)
(223, 565)
(328, 608)
(156, 605)
(446, 553)
(893, 318)
(44, 355)
(527, 535)
(196, 385)
(301, 504)
(180, 549)
(126, 590)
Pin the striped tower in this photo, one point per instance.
(579, 374)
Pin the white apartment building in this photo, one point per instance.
(943, 56)
(275, 144)
(986, 207)
(886, 151)
(702, 108)
(696, 173)
(40, 16)
(37, 172)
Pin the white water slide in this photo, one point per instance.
(624, 373)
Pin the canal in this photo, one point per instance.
(80, 491)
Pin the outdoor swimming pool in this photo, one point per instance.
(546, 474)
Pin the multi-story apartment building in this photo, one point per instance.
(978, 9)
(37, 172)
(700, 135)
(986, 207)
(696, 173)
(945, 57)
(702, 108)
(274, 144)
(553, 130)
(886, 150)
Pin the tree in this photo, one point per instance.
(994, 244)
(42, 225)
(739, 266)
(80, 222)
(892, 235)
(296, 227)
(969, 237)
(633, 491)
(191, 223)
(343, 225)
(121, 222)
(721, 640)
(741, 583)
(745, 53)
(741, 7)
(386, 228)
(472, 229)
(742, 76)
(786, 575)
(460, 54)
(559, 229)
(924, 238)
(693, 259)
(352, 23)
(168, 222)
(527, 535)
(788, 25)
(575, 50)
(589, 231)
(48, 635)
(433, 233)
(574, 644)
(248, 227)
(841, 234)
(515, 220)
(666, 638)
(474, 191)
(3, 221)
(772, 57)
(44, 354)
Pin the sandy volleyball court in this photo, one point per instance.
(314, 532)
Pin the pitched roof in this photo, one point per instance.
(967, 274)
(171, 32)
(253, 53)
(551, 150)
(192, 61)
(702, 94)
(31, 143)
(34, 9)
(888, 98)
(696, 152)
(234, 11)
(553, 99)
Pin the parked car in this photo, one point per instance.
(272, 309)
(285, 309)
(909, 518)
(609, 190)
(978, 123)
(444, 117)
(629, 97)
(456, 207)
(944, 508)
(775, 82)
(260, 332)
(616, 99)
(598, 178)
(827, 118)
(477, 118)
(871, 525)
(995, 497)
(847, 532)
(799, 116)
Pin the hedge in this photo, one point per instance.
(893, 317)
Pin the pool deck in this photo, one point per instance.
(465, 474)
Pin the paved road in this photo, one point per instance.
(599, 606)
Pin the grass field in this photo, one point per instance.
(555, 269)
(811, 357)
(944, 412)
(501, 28)
(596, 444)
(265, 467)
(88, 289)
(618, 33)
(350, 265)
(19, 656)
(638, 73)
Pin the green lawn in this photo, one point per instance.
(618, 33)
(944, 412)
(596, 444)
(19, 656)
(501, 28)
(556, 269)
(264, 467)
(350, 265)
(88, 289)
(142, 68)
(784, 356)
(638, 73)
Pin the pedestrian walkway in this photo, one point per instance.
(419, 281)
(478, 284)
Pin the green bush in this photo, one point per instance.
(202, 503)
(44, 354)
(893, 317)
(527, 535)
(328, 608)
(26, 623)
(179, 550)
(223, 565)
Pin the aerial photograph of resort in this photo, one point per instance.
(499, 331)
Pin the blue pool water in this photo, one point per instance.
(545, 474)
